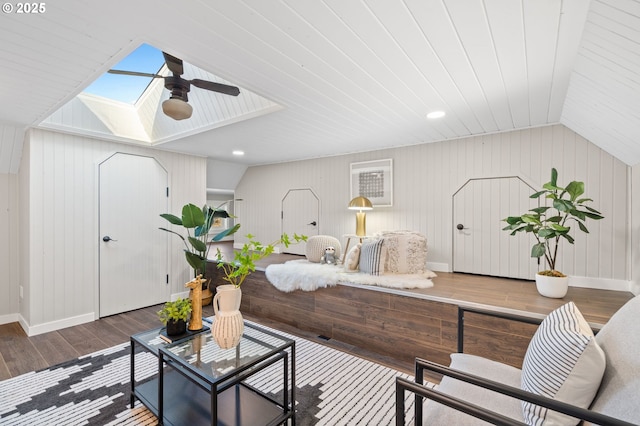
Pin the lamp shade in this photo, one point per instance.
(360, 203)
(177, 109)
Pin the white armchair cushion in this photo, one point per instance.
(563, 362)
(438, 414)
(619, 394)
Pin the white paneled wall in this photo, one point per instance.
(11, 138)
(427, 175)
(61, 221)
(9, 247)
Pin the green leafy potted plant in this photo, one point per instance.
(174, 316)
(552, 224)
(244, 261)
(228, 324)
(197, 224)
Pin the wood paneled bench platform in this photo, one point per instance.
(405, 324)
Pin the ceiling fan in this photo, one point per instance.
(176, 106)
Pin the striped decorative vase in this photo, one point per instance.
(228, 323)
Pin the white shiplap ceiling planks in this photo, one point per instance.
(351, 75)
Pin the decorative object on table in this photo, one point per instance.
(361, 204)
(374, 181)
(228, 324)
(244, 260)
(195, 295)
(174, 316)
(314, 249)
(550, 224)
(329, 257)
(197, 222)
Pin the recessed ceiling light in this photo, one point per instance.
(238, 152)
(436, 114)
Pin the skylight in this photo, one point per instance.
(128, 89)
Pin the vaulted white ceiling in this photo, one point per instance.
(351, 75)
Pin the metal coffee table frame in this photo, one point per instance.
(182, 392)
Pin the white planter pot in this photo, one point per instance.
(228, 324)
(555, 287)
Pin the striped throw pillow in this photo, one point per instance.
(372, 257)
(563, 362)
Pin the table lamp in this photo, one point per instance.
(361, 204)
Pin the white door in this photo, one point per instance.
(480, 246)
(133, 251)
(300, 215)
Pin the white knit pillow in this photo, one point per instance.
(316, 244)
(353, 258)
(563, 362)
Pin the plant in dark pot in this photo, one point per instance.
(552, 224)
(197, 224)
(174, 316)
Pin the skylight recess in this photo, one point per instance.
(128, 89)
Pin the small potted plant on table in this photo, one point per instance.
(552, 224)
(174, 316)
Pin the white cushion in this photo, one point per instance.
(352, 259)
(372, 257)
(438, 414)
(563, 362)
(620, 341)
(316, 244)
(406, 252)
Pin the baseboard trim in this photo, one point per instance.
(601, 283)
(34, 330)
(438, 267)
(9, 318)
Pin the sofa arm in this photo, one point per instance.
(422, 392)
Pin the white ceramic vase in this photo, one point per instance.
(554, 287)
(228, 323)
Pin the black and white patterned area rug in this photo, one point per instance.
(332, 388)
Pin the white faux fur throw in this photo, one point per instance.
(307, 276)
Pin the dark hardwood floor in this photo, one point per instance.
(21, 354)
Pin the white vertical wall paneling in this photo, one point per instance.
(635, 228)
(9, 302)
(24, 246)
(11, 140)
(425, 177)
(61, 268)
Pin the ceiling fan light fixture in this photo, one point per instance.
(177, 109)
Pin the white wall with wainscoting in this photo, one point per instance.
(425, 177)
(58, 202)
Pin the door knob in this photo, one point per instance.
(107, 238)
(460, 227)
(312, 223)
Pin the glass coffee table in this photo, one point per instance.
(197, 382)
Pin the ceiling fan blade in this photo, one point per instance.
(215, 87)
(174, 64)
(139, 74)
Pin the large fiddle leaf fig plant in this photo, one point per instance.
(552, 224)
(197, 223)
